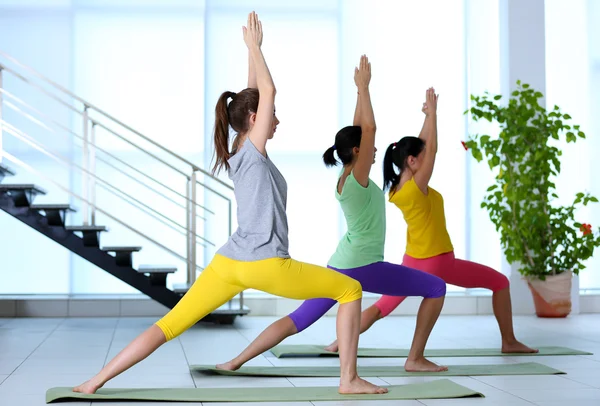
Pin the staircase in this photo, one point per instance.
(59, 221)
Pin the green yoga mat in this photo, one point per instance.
(528, 368)
(283, 351)
(440, 389)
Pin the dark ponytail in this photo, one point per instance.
(221, 137)
(329, 157)
(390, 178)
(346, 140)
(397, 155)
(235, 115)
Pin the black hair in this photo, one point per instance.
(345, 141)
(397, 154)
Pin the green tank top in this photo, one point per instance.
(364, 210)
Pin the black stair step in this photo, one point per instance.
(123, 255)
(157, 269)
(91, 234)
(87, 228)
(181, 288)
(5, 171)
(157, 273)
(22, 195)
(56, 214)
(119, 249)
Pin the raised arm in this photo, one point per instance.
(356, 120)
(429, 135)
(263, 123)
(362, 78)
(425, 134)
(251, 69)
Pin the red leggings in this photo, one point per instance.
(454, 271)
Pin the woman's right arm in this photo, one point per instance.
(362, 78)
(429, 135)
(263, 125)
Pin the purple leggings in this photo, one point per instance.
(381, 277)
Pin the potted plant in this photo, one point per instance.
(540, 236)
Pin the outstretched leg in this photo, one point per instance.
(304, 316)
(207, 293)
(469, 274)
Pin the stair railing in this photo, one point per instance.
(92, 119)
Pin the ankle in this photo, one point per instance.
(509, 341)
(348, 377)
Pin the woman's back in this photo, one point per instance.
(261, 195)
(364, 211)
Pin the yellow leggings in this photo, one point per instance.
(224, 278)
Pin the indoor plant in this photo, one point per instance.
(539, 235)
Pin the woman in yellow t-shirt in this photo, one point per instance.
(428, 245)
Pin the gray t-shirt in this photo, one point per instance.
(261, 195)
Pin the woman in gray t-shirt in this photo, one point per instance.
(256, 255)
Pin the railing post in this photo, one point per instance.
(85, 178)
(92, 158)
(188, 229)
(192, 275)
(1, 150)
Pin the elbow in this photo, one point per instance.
(368, 128)
(268, 90)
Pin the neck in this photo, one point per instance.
(348, 168)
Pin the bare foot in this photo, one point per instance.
(228, 366)
(88, 388)
(423, 365)
(333, 347)
(360, 386)
(517, 347)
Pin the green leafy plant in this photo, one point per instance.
(543, 237)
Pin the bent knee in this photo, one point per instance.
(501, 282)
(352, 290)
(437, 288)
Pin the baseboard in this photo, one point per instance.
(260, 305)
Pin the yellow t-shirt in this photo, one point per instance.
(426, 236)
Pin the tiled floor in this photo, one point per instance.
(36, 354)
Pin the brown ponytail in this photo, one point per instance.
(221, 137)
(236, 115)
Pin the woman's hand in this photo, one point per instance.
(362, 74)
(430, 105)
(253, 33)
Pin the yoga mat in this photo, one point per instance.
(440, 389)
(528, 368)
(282, 351)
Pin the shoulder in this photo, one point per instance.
(408, 190)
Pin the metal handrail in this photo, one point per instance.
(60, 94)
(17, 161)
(122, 162)
(62, 160)
(111, 118)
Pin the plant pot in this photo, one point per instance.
(552, 297)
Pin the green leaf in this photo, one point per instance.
(492, 188)
(525, 86)
(497, 97)
(566, 116)
(515, 93)
(594, 199)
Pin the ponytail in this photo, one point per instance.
(329, 157)
(390, 178)
(221, 136)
